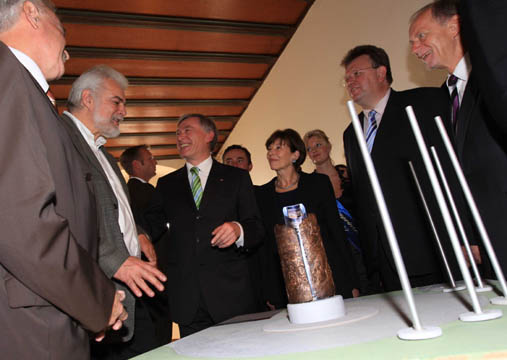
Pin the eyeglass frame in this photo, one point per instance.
(355, 74)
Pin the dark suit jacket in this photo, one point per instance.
(140, 196)
(482, 31)
(158, 307)
(484, 163)
(195, 268)
(51, 287)
(316, 193)
(112, 249)
(394, 146)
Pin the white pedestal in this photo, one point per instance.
(316, 311)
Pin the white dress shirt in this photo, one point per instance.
(380, 108)
(204, 170)
(32, 68)
(462, 72)
(125, 217)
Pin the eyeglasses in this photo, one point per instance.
(356, 74)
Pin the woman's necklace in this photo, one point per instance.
(277, 183)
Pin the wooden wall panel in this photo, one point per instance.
(164, 92)
(159, 110)
(158, 151)
(148, 139)
(128, 37)
(171, 69)
(269, 11)
(154, 126)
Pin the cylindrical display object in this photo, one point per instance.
(298, 285)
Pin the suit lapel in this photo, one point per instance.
(466, 112)
(184, 188)
(82, 146)
(388, 119)
(213, 184)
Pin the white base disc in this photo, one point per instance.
(484, 288)
(316, 311)
(427, 332)
(457, 288)
(486, 315)
(280, 322)
(499, 300)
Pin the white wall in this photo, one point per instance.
(304, 89)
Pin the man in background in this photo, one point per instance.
(140, 165)
(52, 289)
(238, 156)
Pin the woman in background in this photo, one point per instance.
(286, 153)
(318, 147)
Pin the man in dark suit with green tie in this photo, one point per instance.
(213, 220)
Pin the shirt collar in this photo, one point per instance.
(138, 178)
(87, 134)
(462, 70)
(32, 68)
(203, 167)
(380, 107)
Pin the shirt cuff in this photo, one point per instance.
(241, 240)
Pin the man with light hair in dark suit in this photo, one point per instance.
(52, 291)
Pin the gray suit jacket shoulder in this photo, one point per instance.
(112, 249)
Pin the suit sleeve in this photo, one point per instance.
(248, 213)
(37, 247)
(154, 218)
(483, 26)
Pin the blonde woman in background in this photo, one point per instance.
(318, 148)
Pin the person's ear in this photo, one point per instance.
(87, 100)
(381, 73)
(31, 13)
(453, 26)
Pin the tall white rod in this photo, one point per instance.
(473, 207)
(443, 208)
(386, 220)
(432, 224)
(457, 218)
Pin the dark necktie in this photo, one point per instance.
(451, 84)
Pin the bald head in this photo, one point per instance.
(32, 27)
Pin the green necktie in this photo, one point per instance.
(196, 186)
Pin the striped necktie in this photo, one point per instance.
(372, 130)
(452, 82)
(196, 186)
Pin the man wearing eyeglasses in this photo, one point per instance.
(392, 145)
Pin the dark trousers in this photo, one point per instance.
(144, 339)
(202, 320)
(390, 280)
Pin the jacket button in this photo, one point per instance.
(197, 240)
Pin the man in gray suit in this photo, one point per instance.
(96, 107)
(51, 288)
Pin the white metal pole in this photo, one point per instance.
(418, 332)
(502, 300)
(478, 314)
